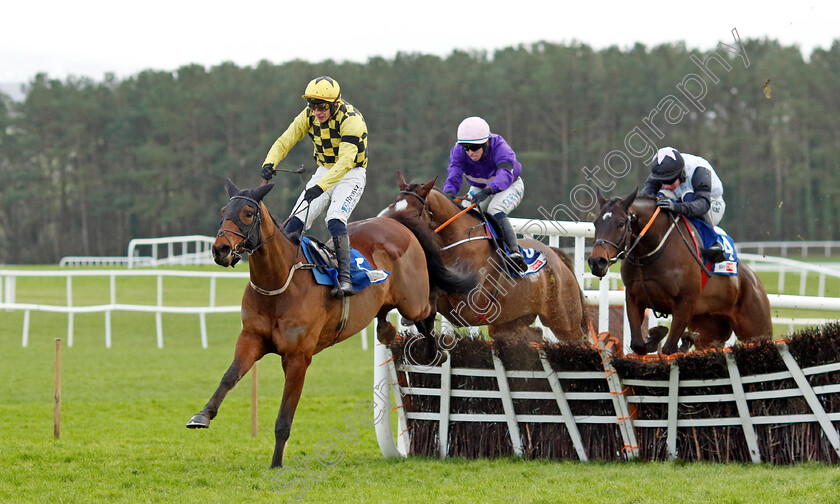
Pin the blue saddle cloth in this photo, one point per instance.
(361, 273)
(708, 236)
(535, 259)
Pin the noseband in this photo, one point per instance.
(243, 247)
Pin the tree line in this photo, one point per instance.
(88, 165)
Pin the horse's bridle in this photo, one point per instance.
(422, 200)
(624, 252)
(243, 246)
(626, 237)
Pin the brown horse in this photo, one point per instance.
(508, 306)
(661, 272)
(291, 315)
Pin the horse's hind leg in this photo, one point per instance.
(385, 331)
(516, 329)
(427, 329)
(713, 331)
(249, 349)
(752, 316)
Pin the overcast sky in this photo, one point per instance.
(91, 37)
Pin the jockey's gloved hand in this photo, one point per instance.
(481, 195)
(449, 194)
(312, 193)
(668, 204)
(267, 171)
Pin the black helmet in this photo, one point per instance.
(667, 165)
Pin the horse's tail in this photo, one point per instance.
(584, 318)
(446, 279)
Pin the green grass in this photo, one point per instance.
(123, 437)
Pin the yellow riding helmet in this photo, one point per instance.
(322, 88)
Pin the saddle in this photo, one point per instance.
(320, 254)
(325, 265)
(535, 259)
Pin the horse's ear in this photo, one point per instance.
(626, 202)
(231, 188)
(426, 188)
(261, 191)
(601, 199)
(401, 181)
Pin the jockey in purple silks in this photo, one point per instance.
(491, 168)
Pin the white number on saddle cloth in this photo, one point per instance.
(375, 276)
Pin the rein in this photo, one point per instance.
(624, 252)
(448, 222)
(694, 253)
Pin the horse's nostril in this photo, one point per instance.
(221, 250)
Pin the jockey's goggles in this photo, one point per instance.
(472, 147)
(319, 104)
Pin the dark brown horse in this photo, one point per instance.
(660, 272)
(508, 306)
(284, 311)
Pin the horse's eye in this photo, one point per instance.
(621, 225)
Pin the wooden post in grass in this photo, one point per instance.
(254, 400)
(57, 399)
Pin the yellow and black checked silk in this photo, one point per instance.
(326, 138)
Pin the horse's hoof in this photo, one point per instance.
(198, 421)
(668, 350)
(657, 334)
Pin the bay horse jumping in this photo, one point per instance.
(552, 293)
(291, 315)
(660, 272)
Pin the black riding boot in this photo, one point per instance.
(715, 253)
(342, 254)
(514, 258)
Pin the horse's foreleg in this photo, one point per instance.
(294, 367)
(249, 349)
(678, 326)
(635, 316)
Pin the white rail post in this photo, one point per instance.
(382, 401)
(445, 396)
(158, 313)
(673, 411)
(202, 321)
(69, 313)
(565, 409)
(25, 338)
(580, 243)
(619, 400)
(810, 397)
(507, 404)
(113, 298)
(743, 408)
(402, 420)
(212, 291)
(604, 304)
